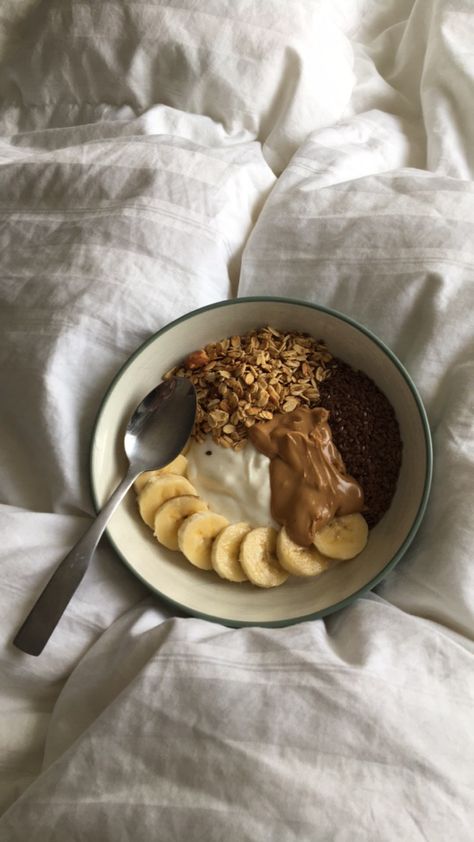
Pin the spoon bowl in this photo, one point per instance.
(156, 432)
(154, 437)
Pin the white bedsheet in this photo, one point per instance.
(154, 158)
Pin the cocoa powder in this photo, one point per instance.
(366, 433)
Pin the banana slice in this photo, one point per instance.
(258, 558)
(300, 561)
(196, 534)
(225, 552)
(343, 538)
(171, 515)
(158, 490)
(177, 466)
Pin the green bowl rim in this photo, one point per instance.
(421, 509)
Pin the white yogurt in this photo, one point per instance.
(235, 484)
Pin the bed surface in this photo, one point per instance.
(155, 158)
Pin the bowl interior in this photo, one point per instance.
(203, 593)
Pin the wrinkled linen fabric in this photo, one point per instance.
(259, 67)
(155, 158)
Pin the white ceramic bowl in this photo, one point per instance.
(201, 593)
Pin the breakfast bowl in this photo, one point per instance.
(203, 593)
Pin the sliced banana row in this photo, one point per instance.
(169, 504)
(177, 466)
(158, 490)
(171, 515)
(259, 560)
(196, 536)
(300, 561)
(225, 554)
(343, 538)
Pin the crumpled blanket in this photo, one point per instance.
(155, 158)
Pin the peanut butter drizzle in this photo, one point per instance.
(308, 480)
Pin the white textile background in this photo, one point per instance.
(158, 157)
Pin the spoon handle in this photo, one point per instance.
(43, 618)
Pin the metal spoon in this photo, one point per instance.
(157, 431)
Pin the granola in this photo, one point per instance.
(242, 380)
